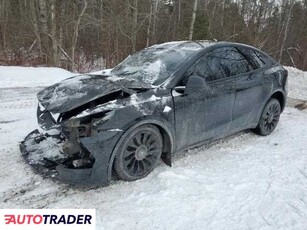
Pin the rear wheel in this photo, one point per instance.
(269, 117)
(139, 153)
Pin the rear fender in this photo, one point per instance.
(272, 96)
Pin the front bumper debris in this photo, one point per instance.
(45, 154)
(90, 165)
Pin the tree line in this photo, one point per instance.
(83, 35)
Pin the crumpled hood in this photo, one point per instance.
(75, 91)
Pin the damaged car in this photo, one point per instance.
(157, 102)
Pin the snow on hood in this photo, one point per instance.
(104, 72)
(74, 92)
(135, 100)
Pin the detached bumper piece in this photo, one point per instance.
(45, 154)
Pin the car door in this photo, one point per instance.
(250, 87)
(204, 113)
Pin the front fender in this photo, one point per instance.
(101, 146)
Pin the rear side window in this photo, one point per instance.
(257, 59)
(232, 61)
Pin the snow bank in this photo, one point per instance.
(297, 83)
(16, 76)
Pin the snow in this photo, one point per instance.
(115, 130)
(168, 44)
(134, 100)
(114, 78)
(100, 108)
(155, 64)
(176, 94)
(68, 88)
(154, 69)
(241, 182)
(47, 148)
(151, 71)
(104, 72)
(167, 109)
(297, 83)
(154, 98)
(16, 76)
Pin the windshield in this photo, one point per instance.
(155, 64)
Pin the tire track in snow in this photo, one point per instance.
(18, 98)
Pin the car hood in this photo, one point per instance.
(76, 91)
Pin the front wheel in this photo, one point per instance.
(139, 153)
(269, 118)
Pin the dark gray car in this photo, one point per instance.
(158, 101)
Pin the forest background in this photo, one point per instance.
(85, 35)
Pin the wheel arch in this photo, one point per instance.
(278, 95)
(167, 136)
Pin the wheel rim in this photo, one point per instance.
(271, 118)
(142, 153)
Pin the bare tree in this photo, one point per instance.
(43, 28)
(76, 34)
(4, 7)
(285, 32)
(193, 20)
(149, 23)
(53, 34)
(134, 31)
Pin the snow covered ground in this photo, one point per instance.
(31, 76)
(242, 182)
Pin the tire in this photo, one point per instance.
(269, 118)
(138, 153)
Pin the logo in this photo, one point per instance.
(77, 219)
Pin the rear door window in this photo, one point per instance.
(257, 59)
(208, 66)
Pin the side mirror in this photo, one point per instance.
(195, 83)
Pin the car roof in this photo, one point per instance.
(182, 45)
(197, 45)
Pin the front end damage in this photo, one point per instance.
(85, 118)
(56, 157)
(77, 147)
(73, 150)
